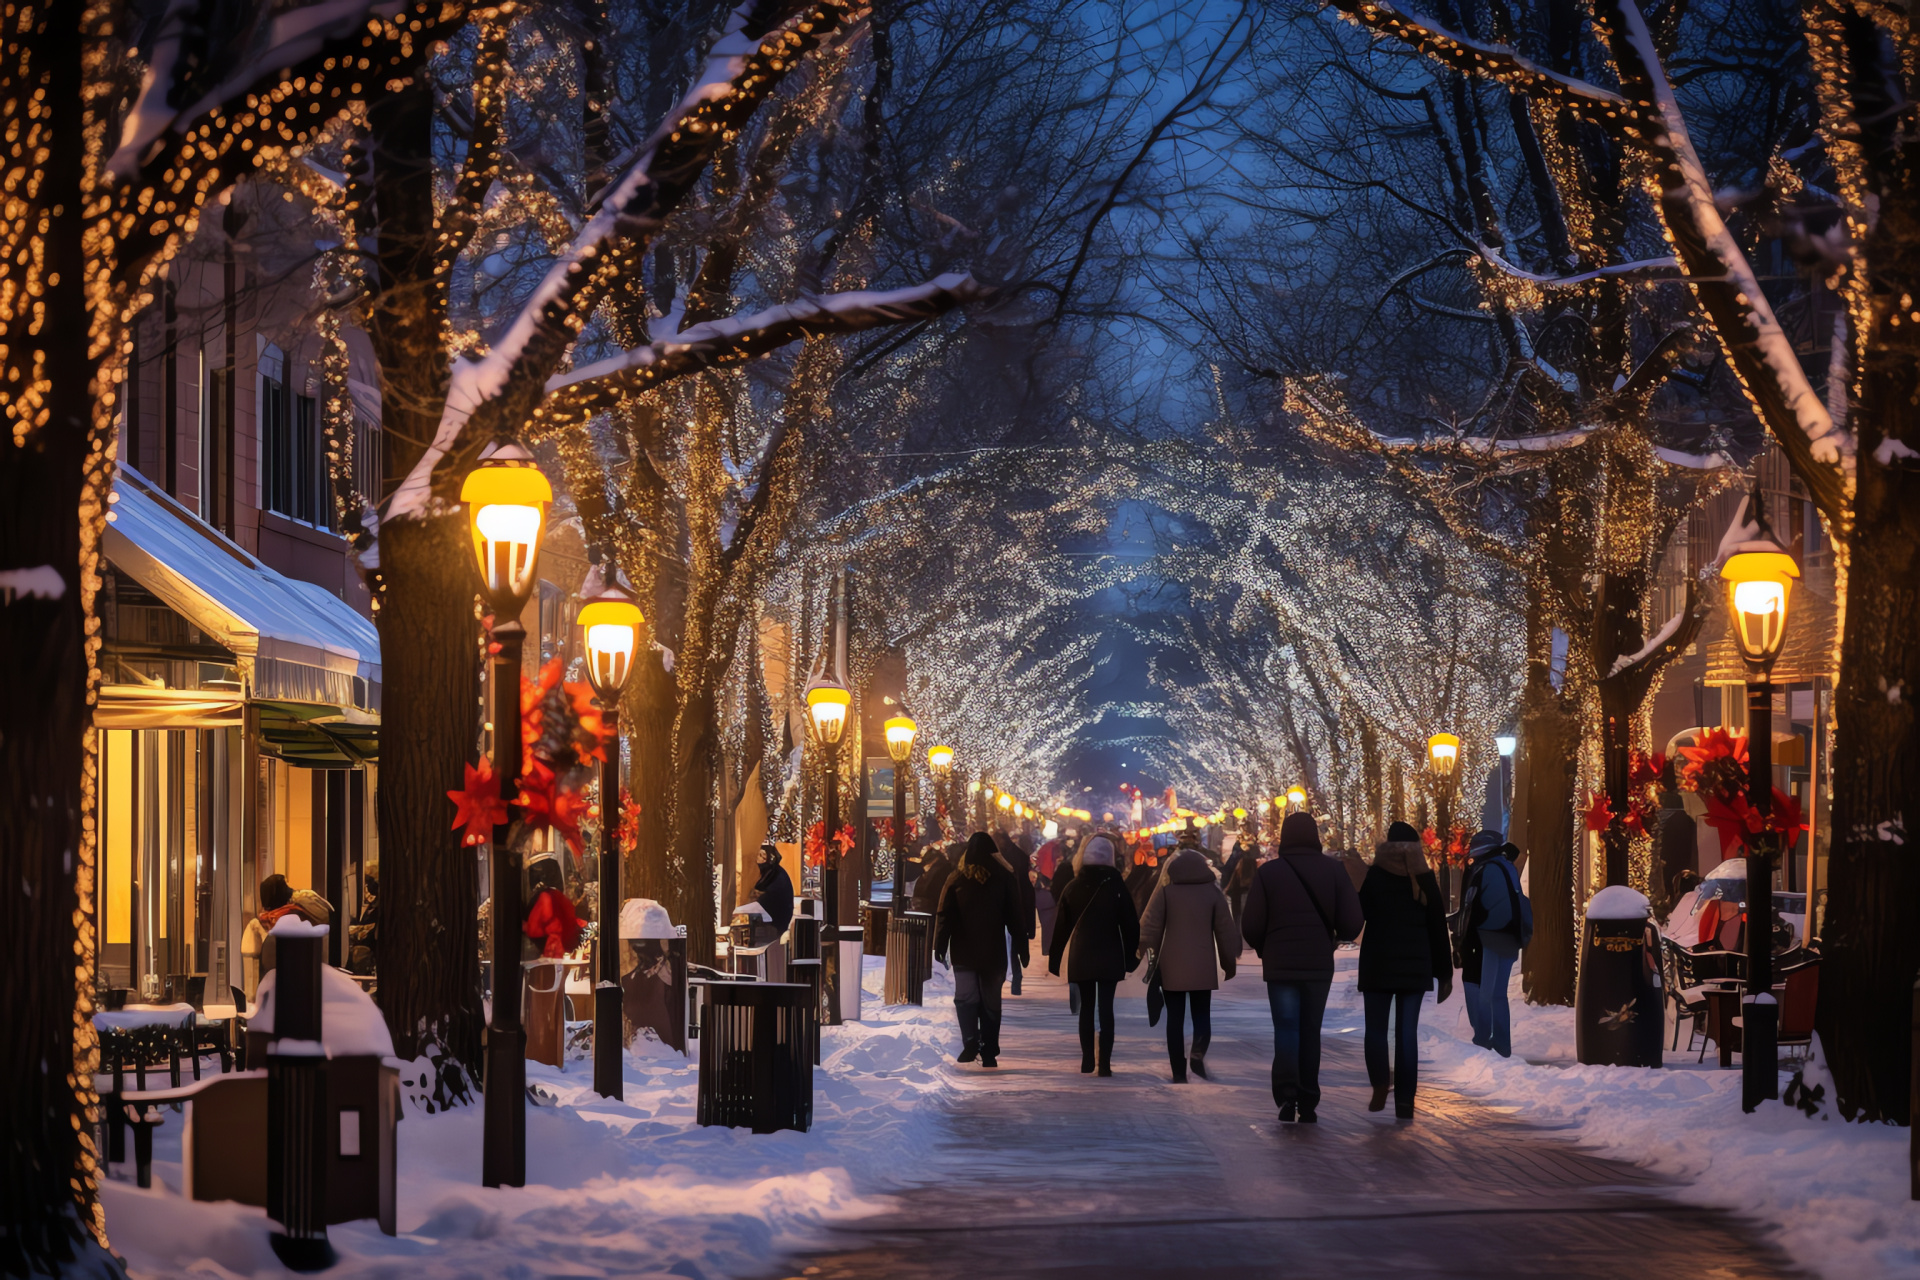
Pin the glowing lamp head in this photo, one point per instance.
(506, 499)
(940, 760)
(827, 704)
(1296, 796)
(900, 731)
(1241, 814)
(1005, 801)
(1443, 753)
(610, 625)
(1759, 587)
(1506, 742)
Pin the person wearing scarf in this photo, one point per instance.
(1403, 953)
(1096, 931)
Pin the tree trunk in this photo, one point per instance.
(1543, 819)
(429, 882)
(647, 720)
(52, 511)
(1872, 949)
(424, 593)
(691, 866)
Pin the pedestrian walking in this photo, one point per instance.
(935, 868)
(978, 909)
(1237, 879)
(1300, 906)
(1187, 926)
(1013, 853)
(1097, 933)
(1403, 953)
(1494, 922)
(1143, 875)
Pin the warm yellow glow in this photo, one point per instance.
(973, 788)
(1240, 813)
(900, 731)
(827, 706)
(940, 760)
(1443, 752)
(1759, 589)
(506, 498)
(612, 634)
(1296, 796)
(1005, 801)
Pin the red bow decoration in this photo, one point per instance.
(627, 834)
(815, 853)
(478, 807)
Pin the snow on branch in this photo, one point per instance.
(761, 42)
(1647, 266)
(1724, 281)
(581, 392)
(1652, 648)
(1489, 61)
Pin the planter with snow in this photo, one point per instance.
(1619, 1019)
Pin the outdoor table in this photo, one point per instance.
(1723, 1018)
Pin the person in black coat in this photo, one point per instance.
(774, 889)
(1402, 953)
(1020, 862)
(935, 868)
(978, 909)
(1300, 906)
(1097, 932)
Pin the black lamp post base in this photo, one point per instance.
(303, 1253)
(609, 1041)
(1759, 1050)
(503, 1155)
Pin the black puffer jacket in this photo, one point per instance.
(1405, 946)
(935, 868)
(1096, 929)
(977, 910)
(774, 892)
(1021, 861)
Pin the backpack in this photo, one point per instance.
(1522, 905)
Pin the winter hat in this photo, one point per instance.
(1300, 831)
(770, 852)
(980, 849)
(1095, 851)
(1402, 831)
(1485, 844)
(275, 892)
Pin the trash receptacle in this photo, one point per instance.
(874, 917)
(909, 956)
(803, 935)
(756, 1056)
(1619, 1017)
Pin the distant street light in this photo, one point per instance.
(610, 621)
(900, 731)
(1443, 764)
(1760, 577)
(506, 499)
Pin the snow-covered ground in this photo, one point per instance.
(633, 1188)
(1837, 1193)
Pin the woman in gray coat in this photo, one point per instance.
(1188, 923)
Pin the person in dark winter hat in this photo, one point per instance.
(1237, 878)
(978, 909)
(1494, 923)
(774, 889)
(1402, 953)
(1097, 933)
(1187, 924)
(1300, 906)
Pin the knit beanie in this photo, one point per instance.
(1400, 831)
(1486, 842)
(1096, 851)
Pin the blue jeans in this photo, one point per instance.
(1297, 1009)
(1404, 1006)
(1487, 999)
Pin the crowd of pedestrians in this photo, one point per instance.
(1100, 908)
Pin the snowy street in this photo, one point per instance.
(916, 1167)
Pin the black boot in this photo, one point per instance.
(1106, 1051)
(1198, 1058)
(1086, 1053)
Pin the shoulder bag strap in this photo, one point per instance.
(1314, 899)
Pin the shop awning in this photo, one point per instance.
(304, 644)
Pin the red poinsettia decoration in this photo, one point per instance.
(627, 834)
(1429, 840)
(1716, 769)
(1599, 812)
(1458, 844)
(544, 804)
(815, 852)
(1644, 770)
(478, 806)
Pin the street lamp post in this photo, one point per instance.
(827, 704)
(1759, 578)
(1443, 761)
(610, 621)
(900, 731)
(506, 499)
(1506, 743)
